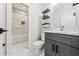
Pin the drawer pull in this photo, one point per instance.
(57, 51)
(53, 47)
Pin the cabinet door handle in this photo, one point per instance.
(57, 51)
(53, 47)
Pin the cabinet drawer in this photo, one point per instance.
(64, 49)
(50, 35)
(75, 52)
(63, 46)
(58, 37)
(67, 50)
(75, 41)
(62, 40)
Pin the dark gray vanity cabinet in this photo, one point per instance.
(53, 48)
(61, 45)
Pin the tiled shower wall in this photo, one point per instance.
(20, 23)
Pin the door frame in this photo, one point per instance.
(3, 35)
(9, 24)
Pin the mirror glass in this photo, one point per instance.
(65, 17)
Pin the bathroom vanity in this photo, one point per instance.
(64, 39)
(61, 44)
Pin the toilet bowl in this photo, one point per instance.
(37, 45)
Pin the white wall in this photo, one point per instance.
(35, 9)
(60, 9)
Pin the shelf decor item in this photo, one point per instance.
(45, 17)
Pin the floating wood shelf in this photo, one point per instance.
(46, 11)
(74, 4)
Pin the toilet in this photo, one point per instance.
(37, 45)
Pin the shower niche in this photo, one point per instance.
(20, 27)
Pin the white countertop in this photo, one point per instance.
(64, 32)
